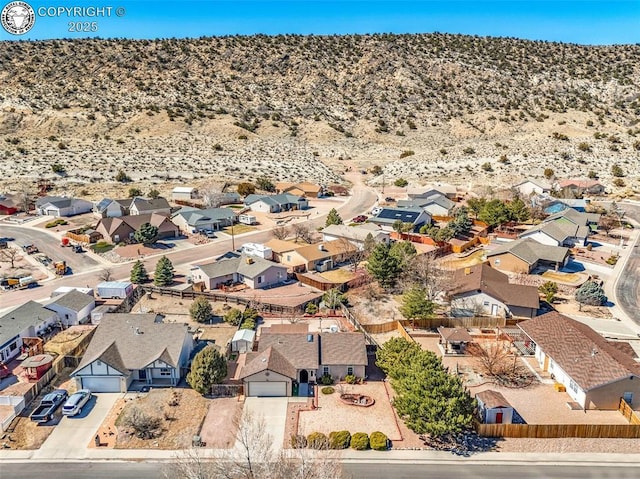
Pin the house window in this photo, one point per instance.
(288, 257)
(325, 370)
(573, 386)
(13, 346)
(552, 365)
(350, 370)
(486, 303)
(260, 279)
(165, 372)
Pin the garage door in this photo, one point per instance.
(269, 389)
(102, 384)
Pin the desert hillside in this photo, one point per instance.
(292, 107)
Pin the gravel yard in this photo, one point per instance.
(218, 429)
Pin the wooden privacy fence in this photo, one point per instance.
(627, 411)
(544, 431)
(226, 390)
(433, 323)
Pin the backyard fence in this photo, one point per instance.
(433, 323)
(545, 431)
(627, 411)
(356, 324)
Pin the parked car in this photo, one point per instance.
(76, 248)
(388, 199)
(360, 219)
(49, 405)
(209, 234)
(75, 403)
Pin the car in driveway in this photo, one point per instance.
(76, 402)
(48, 406)
(360, 219)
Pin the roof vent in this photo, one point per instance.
(309, 338)
(321, 247)
(137, 331)
(249, 260)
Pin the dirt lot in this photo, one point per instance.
(22, 266)
(380, 309)
(179, 423)
(218, 429)
(67, 340)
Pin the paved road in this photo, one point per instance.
(373, 470)
(628, 286)
(360, 202)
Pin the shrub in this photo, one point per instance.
(298, 441)
(311, 308)
(317, 440)
(401, 182)
(328, 390)
(360, 441)
(406, 153)
(350, 379)
(468, 151)
(379, 441)
(145, 426)
(327, 380)
(248, 324)
(339, 439)
(234, 316)
(487, 166)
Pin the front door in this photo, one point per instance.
(628, 397)
(304, 376)
(494, 310)
(142, 374)
(499, 418)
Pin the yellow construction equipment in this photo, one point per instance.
(60, 267)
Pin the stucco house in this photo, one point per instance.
(144, 206)
(62, 206)
(115, 230)
(356, 235)
(134, 347)
(255, 272)
(581, 186)
(192, 220)
(481, 290)
(435, 204)
(595, 372)
(304, 188)
(568, 228)
(319, 256)
(450, 191)
(493, 408)
(281, 248)
(25, 321)
(526, 254)
(276, 203)
(533, 187)
(388, 216)
(288, 362)
(73, 307)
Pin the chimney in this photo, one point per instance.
(467, 271)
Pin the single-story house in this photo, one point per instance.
(454, 340)
(62, 206)
(388, 216)
(143, 206)
(481, 290)
(134, 347)
(115, 230)
(185, 193)
(108, 208)
(73, 307)
(255, 272)
(26, 321)
(450, 191)
(581, 186)
(281, 248)
(525, 254)
(242, 341)
(533, 187)
(436, 204)
(276, 203)
(356, 235)
(10, 204)
(493, 407)
(299, 359)
(304, 188)
(319, 256)
(569, 228)
(192, 220)
(596, 372)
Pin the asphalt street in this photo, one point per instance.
(372, 470)
(628, 287)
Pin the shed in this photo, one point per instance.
(184, 193)
(36, 366)
(494, 408)
(454, 340)
(242, 341)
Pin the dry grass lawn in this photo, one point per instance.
(239, 229)
(339, 275)
(572, 279)
(451, 262)
(178, 423)
(66, 341)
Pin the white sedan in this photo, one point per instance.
(76, 402)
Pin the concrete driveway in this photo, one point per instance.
(72, 435)
(274, 413)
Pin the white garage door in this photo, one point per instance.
(102, 384)
(269, 389)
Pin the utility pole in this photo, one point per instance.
(233, 238)
(383, 183)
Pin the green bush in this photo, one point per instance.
(350, 379)
(53, 224)
(327, 380)
(378, 441)
(248, 324)
(317, 440)
(339, 439)
(360, 441)
(328, 390)
(298, 441)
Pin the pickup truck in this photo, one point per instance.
(48, 406)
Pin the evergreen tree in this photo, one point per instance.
(333, 218)
(476, 205)
(200, 310)
(163, 275)
(404, 252)
(494, 213)
(246, 189)
(518, 210)
(415, 304)
(369, 244)
(139, 273)
(383, 266)
(208, 368)
(333, 298)
(591, 293)
(146, 234)
(549, 289)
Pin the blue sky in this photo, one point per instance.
(577, 21)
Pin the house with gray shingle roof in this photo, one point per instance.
(596, 372)
(388, 216)
(291, 361)
(25, 321)
(566, 228)
(192, 220)
(128, 348)
(255, 272)
(525, 254)
(276, 203)
(436, 204)
(73, 307)
(62, 206)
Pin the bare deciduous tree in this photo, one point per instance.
(426, 273)
(10, 255)
(351, 254)
(254, 457)
(303, 232)
(106, 274)
(280, 232)
(496, 361)
(212, 195)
